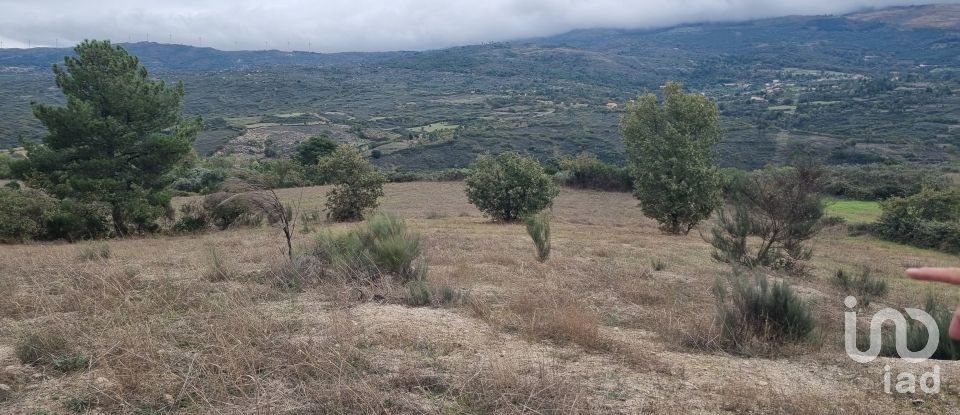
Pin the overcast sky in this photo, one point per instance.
(367, 25)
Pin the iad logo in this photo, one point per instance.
(876, 335)
(906, 381)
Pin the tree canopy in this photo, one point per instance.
(670, 151)
(115, 141)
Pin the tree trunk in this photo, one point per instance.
(119, 222)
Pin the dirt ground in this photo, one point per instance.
(595, 329)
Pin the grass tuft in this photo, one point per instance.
(95, 252)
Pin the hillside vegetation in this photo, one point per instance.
(859, 89)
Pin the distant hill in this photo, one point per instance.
(877, 86)
(936, 16)
(167, 57)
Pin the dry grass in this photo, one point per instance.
(593, 330)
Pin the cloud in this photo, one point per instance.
(367, 25)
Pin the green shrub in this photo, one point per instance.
(71, 362)
(383, 247)
(586, 171)
(95, 252)
(421, 294)
(31, 215)
(929, 219)
(358, 186)
(78, 405)
(538, 227)
(40, 347)
(729, 236)
(5, 161)
(22, 214)
(72, 220)
(917, 334)
(309, 152)
(193, 218)
(781, 208)
(760, 310)
(199, 180)
(509, 187)
(863, 285)
(880, 182)
(418, 294)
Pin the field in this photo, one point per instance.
(854, 211)
(166, 328)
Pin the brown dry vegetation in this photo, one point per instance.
(592, 330)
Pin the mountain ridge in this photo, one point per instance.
(165, 56)
(858, 91)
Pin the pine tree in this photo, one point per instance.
(116, 139)
(670, 151)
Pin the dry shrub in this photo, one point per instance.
(94, 252)
(419, 379)
(635, 286)
(219, 268)
(90, 292)
(556, 315)
(505, 388)
(295, 274)
(10, 304)
(743, 397)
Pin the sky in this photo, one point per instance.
(367, 25)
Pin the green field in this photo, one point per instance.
(854, 211)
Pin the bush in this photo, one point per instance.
(358, 186)
(864, 286)
(658, 264)
(509, 187)
(199, 180)
(309, 152)
(5, 161)
(929, 219)
(193, 217)
(219, 269)
(279, 174)
(383, 247)
(586, 171)
(780, 206)
(22, 214)
(879, 182)
(71, 362)
(40, 348)
(73, 220)
(31, 215)
(761, 310)
(226, 210)
(538, 227)
(446, 175)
